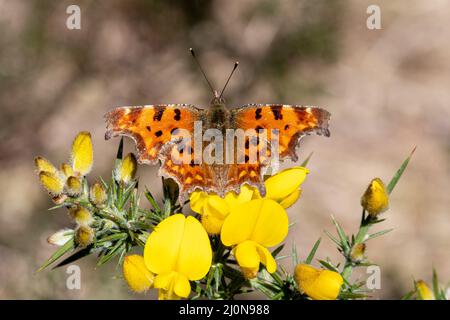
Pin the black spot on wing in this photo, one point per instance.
(177, 116)
(258, 114)
(159, 111)
(277, 114)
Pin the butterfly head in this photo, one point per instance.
(217, 100)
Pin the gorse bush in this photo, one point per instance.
(228, 246)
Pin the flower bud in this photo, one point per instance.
(84, 236)
(81, 215)
(52, 182)
(73, 186)
(126, 169)
(357, 252)
(67, 170)
(43, 164)
(97, 195)
(60, 237)
(424, 291)
(136, 274)
(318, 284)
(376, 199)
(82, 153)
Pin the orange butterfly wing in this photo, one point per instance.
(153, 129)
(150, 126)
(292, 123)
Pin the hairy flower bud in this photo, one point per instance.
(73, 186)
(43, 164)
(52, 182)
(376, 199)
(126, 169)
(357, 252)
(97, 195)
(84, 236)
(81, 215)
(82, 154)
(67, 170)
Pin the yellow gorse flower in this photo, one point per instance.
(126, 169)
(376, 198)
(177, 251)
(283, 187)
(251, 228)
(424, 291)
(136, 274)
(318, 284)
(215, 209)
(82, 154)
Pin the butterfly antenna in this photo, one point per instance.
(201, 69)
(231, 74)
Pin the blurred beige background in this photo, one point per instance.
(387, 90)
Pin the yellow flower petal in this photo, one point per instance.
(267, 259)
(215, 209)
(179, 244)
(82, 154)
(197, 200)
(318, 284)
(263, 221)
(195, 254)
(162, 247)
(245, 195)
(136, 274)
(424, 291)
(376, 199)
(43, 164)
(239, 224)
(52, 182)
(216, 206)
(172, 286)
(182, 286)
(291, 199)
(212, 224)
(246, 255)
(272, 225)
(282, 184)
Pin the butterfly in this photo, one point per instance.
(153, 129)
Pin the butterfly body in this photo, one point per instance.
(152, 128)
